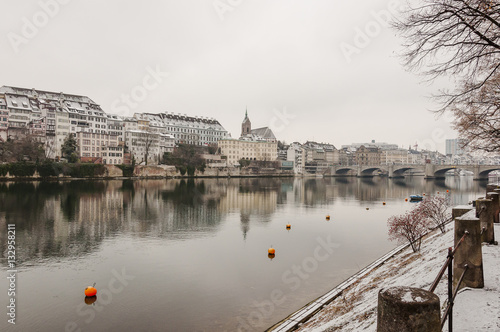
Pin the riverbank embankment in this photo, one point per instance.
(99, 171)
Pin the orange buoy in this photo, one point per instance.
(406, 199)
(90, 291)
(447, 191)
(90, 299)
(271, 251)
(438, 192)
(423, 194)
(368, 208)
(288, 226)
(383, 203)
(328, 217)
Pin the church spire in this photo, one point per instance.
(246, 126)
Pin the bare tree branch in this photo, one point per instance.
(458, 39)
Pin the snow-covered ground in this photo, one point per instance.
(474, 310)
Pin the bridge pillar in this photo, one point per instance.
(429, 171)
(476, 173)
(390, 171)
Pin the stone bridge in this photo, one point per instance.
(431, 171)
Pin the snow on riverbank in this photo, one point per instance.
(474, 310)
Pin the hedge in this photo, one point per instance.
(86, 170)
(50, 168)
(22, 169)
(4, 169)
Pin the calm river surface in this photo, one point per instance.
(191, 255)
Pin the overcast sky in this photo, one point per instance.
(301, 67)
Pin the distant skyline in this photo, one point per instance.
(310, 70)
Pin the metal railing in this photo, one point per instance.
(448, 312)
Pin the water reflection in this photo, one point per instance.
(69, 219)
(196, 248)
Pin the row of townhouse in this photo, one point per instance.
(313, 157)
(50, 117)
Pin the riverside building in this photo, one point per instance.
(251, 145)
(50, 117)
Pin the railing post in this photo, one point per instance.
(405, 309)
(469, 253)
(495, 197)
(491, 187)
(484, 211)
(460, 210)
(450, 290)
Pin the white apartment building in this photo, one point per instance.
(91, 145)
(4, 118)
(456, 147)
(395, 157)
(62, 130)
(51, 116)
(143, 144)
(112, 155)
(166, 144)
(185, 129)
(296, 153)
(116, 126)
(236, 149)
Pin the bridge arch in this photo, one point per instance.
(440, 173)
(369, 171)
(344, 170)
(484, 173)
(399, 172)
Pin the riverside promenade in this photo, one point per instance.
(352, 306)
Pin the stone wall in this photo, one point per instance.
(167, 171)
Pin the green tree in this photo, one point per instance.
(244, 162)
(185, 156)
(68, 149)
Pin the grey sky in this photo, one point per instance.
(275, 57)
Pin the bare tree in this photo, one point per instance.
(436, 210)
(458, 39)
(148, 139)
(478, 117)
(410, 227)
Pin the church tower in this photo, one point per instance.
(246, 126)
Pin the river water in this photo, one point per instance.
(191, 255)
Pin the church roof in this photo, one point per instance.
(264, 132)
